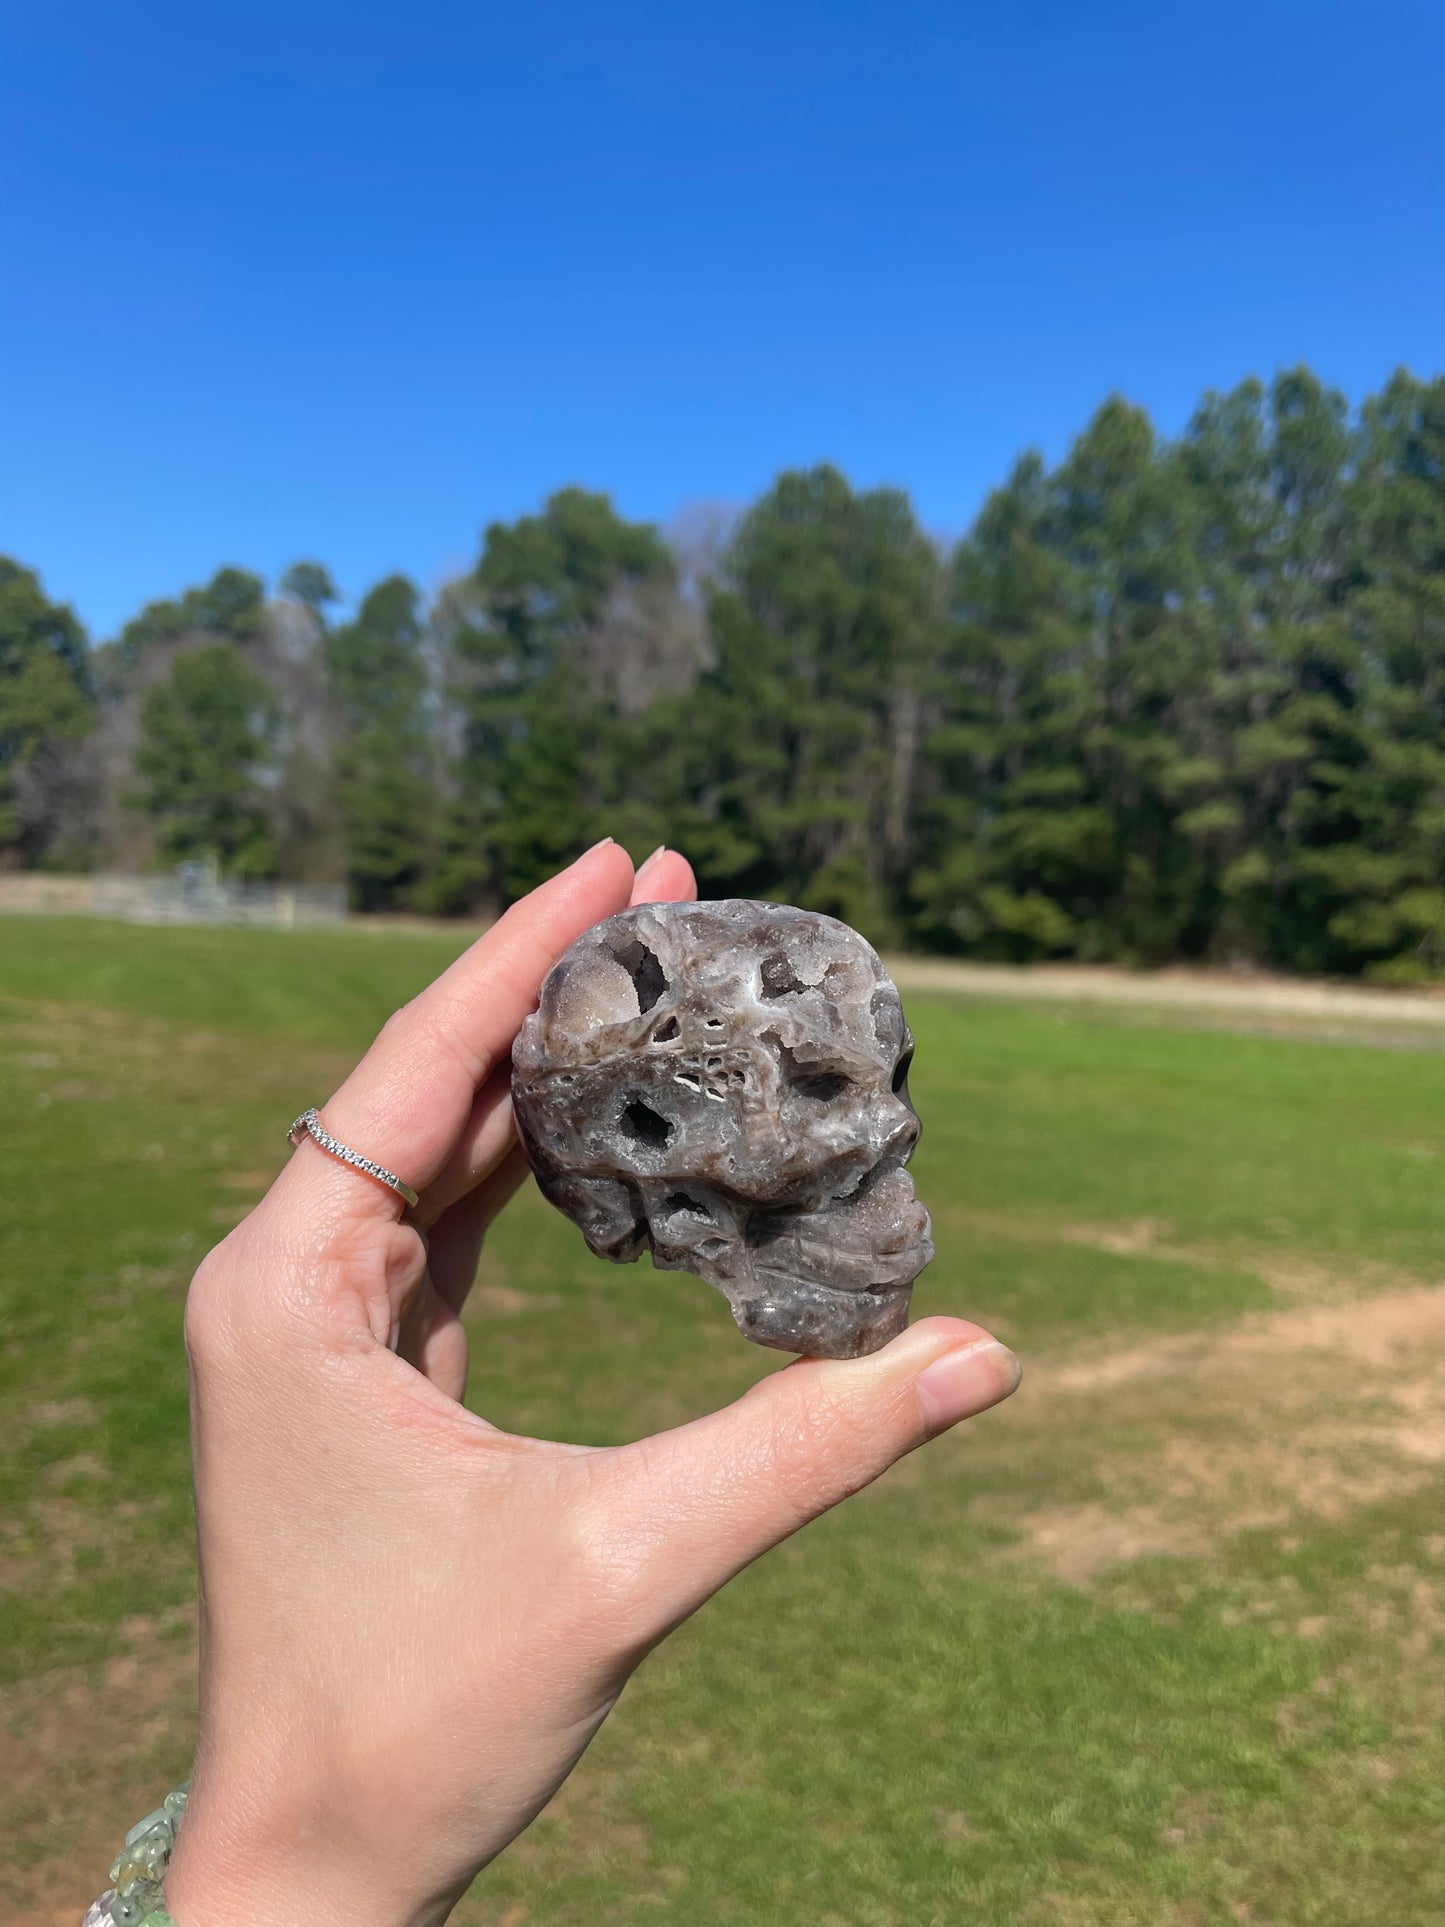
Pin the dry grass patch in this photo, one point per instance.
(77, 1749)
(1310, 1411)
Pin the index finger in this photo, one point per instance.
(409, 1097)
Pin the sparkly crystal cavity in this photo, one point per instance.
(725, 1085)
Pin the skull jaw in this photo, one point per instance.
(784, 1306)
(833, 1283)
(798, 1314)
(820, 1322)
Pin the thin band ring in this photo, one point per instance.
(310, 1123)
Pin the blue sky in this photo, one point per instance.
(350, 281)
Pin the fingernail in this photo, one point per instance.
(647, 862)
(966, 1381)
(600, 844)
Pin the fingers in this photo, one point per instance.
(487, 1165)
(410, 1096)
(426, 1315)
(434, 1340)
(688, 1509)
(488, 1135)
(666, 877)
(456, 1241)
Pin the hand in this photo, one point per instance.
(412, 1623)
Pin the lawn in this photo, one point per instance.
(1158, 1642)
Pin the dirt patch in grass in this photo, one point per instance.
(1135, 1238)
(1381, 1330)
(78, 1751)
(506, 1301)
(1078, 1541)
(63, 1411)
(1314, 1410)
(1291, 1274)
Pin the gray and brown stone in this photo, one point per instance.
(726, 1085)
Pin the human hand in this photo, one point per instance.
(413, 1623)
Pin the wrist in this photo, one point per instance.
(234, 1863)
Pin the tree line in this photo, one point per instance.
(1169, 699)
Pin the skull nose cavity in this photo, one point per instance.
(766, 1226)
(684, 1201)
(644, 1125)
(682, 1217)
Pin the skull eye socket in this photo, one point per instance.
(804, 1078)
(822, 1088)
(900, 1070)
(649, 979)
(779, 979)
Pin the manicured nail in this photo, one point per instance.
(600, 844)
(647, 862)
(966, 1381)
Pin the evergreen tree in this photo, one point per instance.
(384, 761)
(1393, 918)
(310, 584)
(540, 670)
(207, 736)
(231, 606)
(1167, 699)
(825, 623)
(1017, 852)
(46, 708)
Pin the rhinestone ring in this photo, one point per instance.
(312, 1125)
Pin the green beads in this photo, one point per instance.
(140, 1867)
(141, 1904)
(153, 1821)
(146, 1860)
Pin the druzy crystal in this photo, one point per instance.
(725, 1085)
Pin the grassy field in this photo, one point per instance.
(1159, 1642)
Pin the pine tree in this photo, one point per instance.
(207, 738)
(384, 758)
(825, 621)
(46, 708)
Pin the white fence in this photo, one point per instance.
(193, 893)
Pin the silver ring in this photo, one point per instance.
(312, 1125)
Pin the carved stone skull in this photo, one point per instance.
(725, 1084)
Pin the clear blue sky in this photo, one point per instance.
(348, 281)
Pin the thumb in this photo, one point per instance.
(698, 1504)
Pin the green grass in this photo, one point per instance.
(907, 1715)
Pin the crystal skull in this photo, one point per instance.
(725, 1085)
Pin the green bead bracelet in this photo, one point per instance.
(135, 1898)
